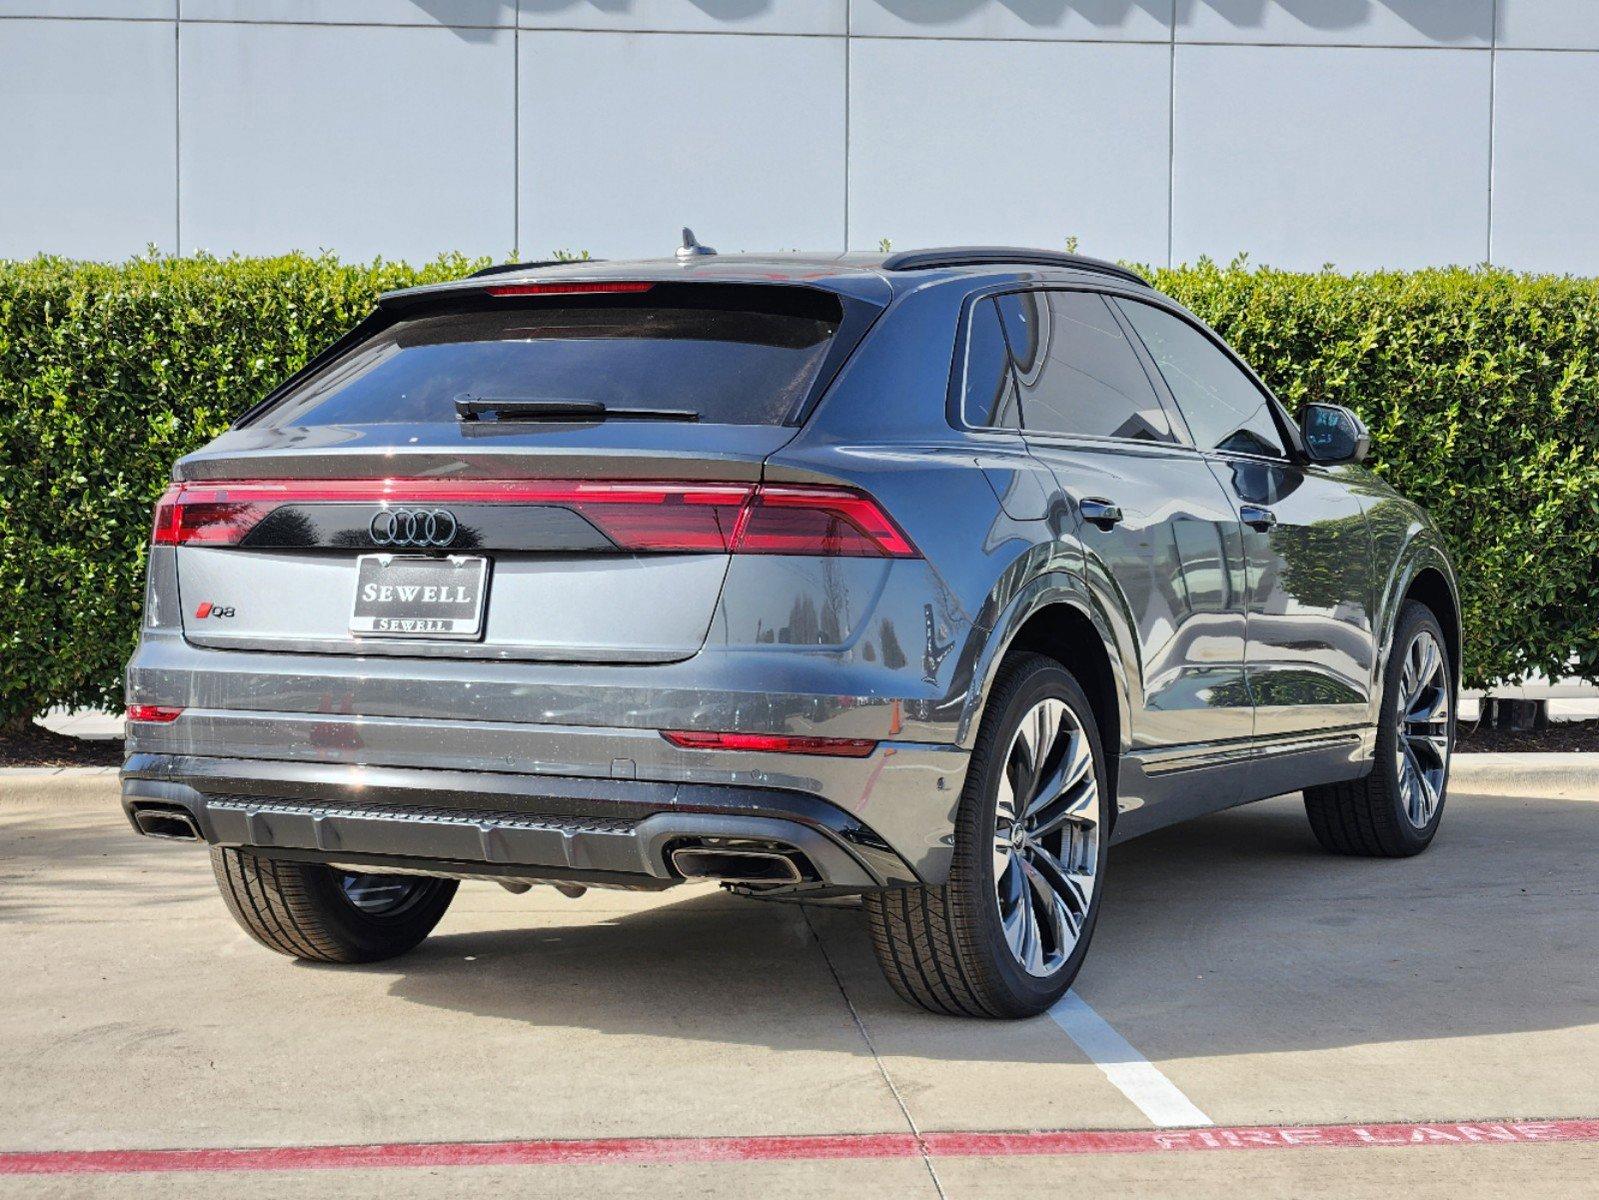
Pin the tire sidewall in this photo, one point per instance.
(1036, 678)
(378, 936)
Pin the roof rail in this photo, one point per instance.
(972, 256)
(505, 268)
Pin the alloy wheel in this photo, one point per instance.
(1421, 749)
(379, 895)
(1046, 837)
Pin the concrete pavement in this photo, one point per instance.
(1270, 983)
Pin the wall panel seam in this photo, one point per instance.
(516, 136)
(849, 54)
(1493, 85)
(177, 127)
(1171, 140)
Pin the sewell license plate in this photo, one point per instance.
(411, 596)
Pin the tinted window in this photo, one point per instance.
(744, 360)
(990, 396)
(1078, 372)
(1223, 407)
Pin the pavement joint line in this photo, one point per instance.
(882, 1067)
(1140, 1080)
(799, 1147)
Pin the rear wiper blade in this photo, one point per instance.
(470, 408)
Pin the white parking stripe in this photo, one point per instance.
(1157, 1097)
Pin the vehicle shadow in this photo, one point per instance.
(1229, 935)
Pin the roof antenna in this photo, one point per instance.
(691, 247)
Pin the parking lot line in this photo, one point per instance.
(1140, 1080)
(812, 1147)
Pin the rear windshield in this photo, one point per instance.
(737, 355)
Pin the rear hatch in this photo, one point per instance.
(549, 471)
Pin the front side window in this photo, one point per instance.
(1078, 373)
(1223, 407)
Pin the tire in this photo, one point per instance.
(1379, 816)
(304, 910)
(947, 948)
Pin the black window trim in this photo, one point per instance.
(956, 400)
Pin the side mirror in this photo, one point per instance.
(1333, 434)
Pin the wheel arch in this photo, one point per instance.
(1052, 616)
(1429, 586)
(1422, 572)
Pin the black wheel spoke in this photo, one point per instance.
(380, 895)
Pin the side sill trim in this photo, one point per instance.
(1203, 755)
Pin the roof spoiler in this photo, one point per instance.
(507, 268)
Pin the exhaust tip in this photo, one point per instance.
(736, 866)
(170, 823)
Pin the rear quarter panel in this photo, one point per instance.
(884, 427)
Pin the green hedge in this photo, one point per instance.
(1481, 389)
(107, 374)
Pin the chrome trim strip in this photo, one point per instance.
(1169, 760)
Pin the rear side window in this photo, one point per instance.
(737, 355)
(1223, 407)
(1078, 372)
(990, 396)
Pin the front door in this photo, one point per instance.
(1311, 650)
(1161, 548)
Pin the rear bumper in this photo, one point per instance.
(604, 832)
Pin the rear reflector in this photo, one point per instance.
(566, 289)
(642, 517)
(157, 713)
(777, 742)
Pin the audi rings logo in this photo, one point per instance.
(413, 527)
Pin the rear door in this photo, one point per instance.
(1160, 541)
(553, 476)
(1311, 637)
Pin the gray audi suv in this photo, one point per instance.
(918, 578)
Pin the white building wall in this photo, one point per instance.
(1363, 133)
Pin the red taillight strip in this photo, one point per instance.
(688, 739)
(459, 491)
(566, 289)
(154, 713)
(641, 516)
(784, 520)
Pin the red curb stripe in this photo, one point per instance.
(807, 1147)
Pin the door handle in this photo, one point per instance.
(1257, 517)
(1103, 513)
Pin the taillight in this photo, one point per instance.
(733, 519)
(214, 516)
(153, 713)
(660, 518)
(567, 289)
(642, 517)
(831, 522)
(689, 739)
